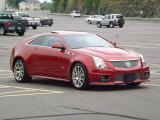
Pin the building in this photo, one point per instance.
(30, 5)
(2, 5)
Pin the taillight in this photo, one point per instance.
(9, 23)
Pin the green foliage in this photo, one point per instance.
(150, 8)
(14, 3)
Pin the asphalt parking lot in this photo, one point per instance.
(54, 100)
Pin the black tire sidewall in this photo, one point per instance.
(99, 25)
(20, 33)
(4, 33)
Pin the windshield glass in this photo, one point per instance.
(23, 14)
(83, 41)
(119, 16)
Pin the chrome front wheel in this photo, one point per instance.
(79, 76)
(20, 73)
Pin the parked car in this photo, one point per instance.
(112, 20)
(11, 24)
(46, 21)
(78, 57)
(75, 14)
(34, 22)
(94, 18)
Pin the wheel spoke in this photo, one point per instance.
(19, 71)
(78, 76)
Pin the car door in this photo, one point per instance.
(107, 20)
(51, 60)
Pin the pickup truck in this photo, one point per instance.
(11, 24)
(111, 20)
(32, 21)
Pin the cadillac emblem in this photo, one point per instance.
(128, 64)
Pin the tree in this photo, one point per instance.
(14, 3)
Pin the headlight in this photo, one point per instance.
(99, 63)
(143, 61)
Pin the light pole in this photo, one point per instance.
(5, 5)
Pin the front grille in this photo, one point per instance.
(125, 64)
(128, 77)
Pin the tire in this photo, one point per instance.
(20, 33)
(89, 22)
(2, 31)
(132, 84)
(50, 24)
(99, 25)
(20, 72)
(111, 25)
(79, 76)
(41, 24)
(34, 27)
(121, 25)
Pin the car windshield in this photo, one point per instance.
(119, 16)
(85, 40)
(23, 14)
(17, 18)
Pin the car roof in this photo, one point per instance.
(68, 32)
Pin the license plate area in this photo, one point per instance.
(129, 77)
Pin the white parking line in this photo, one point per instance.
(16, 92)
(23, 90)
(32, 89)
(6, 45)
(138, 46)
(154, 72)
(18, 95)
(155, 85)
(4, 51)
(140, 43)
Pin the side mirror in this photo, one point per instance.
(113, 43)
(58, 46)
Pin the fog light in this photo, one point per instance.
(146, 75)
(105, 78)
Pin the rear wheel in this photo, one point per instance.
(121, 25)
(79, 76)
(132, 84)
(2, 31)
(20, 33)
(20, 72)
(89, 21)
(99, 25)
(111, 25)
(41, 24)
(34, 27)
(50, 24)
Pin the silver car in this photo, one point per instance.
(94, 18)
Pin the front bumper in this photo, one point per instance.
(114, 77)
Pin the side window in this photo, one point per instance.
(109, 16)
(112, 16)
(38, 41)
(46, 40)
(50, 40)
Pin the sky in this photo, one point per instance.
(45, 0)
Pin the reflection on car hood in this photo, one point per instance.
(109, 53)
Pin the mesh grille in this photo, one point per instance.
(125, 64)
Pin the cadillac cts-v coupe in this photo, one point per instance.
(78, 57)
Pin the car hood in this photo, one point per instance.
(109, 54)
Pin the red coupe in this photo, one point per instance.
(78, 57)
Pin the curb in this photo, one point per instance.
(127, 18)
